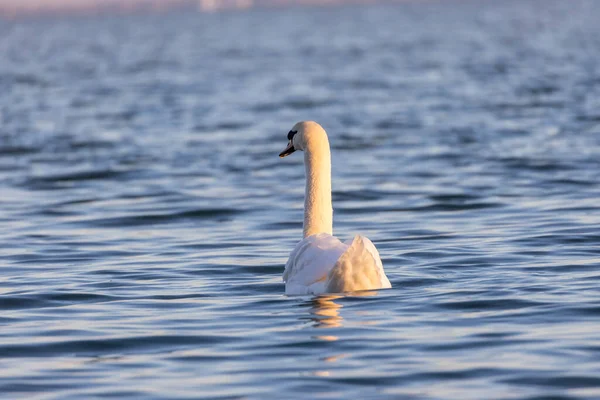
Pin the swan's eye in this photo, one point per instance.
(291, 134)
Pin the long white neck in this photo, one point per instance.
(318, 212)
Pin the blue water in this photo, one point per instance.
(145, 217)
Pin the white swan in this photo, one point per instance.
(321, 263)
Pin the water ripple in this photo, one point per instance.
(146, 218)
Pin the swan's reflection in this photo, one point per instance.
(325, 313)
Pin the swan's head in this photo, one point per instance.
(300, 135)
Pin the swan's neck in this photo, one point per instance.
(318, 212)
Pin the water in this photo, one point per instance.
(145, 217)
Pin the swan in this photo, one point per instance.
(321, 263)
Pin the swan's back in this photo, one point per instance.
(309, 263)
(321, 263)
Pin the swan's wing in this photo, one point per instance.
(370, 247)
(365, 244)
(310, 262)
(358, 268)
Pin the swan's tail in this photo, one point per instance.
(358, 268)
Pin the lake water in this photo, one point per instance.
(145, 218)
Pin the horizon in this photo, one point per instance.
(25, 7)
(18, 8)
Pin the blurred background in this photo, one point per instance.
(32, 7)
(145, 217)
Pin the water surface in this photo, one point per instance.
(145, 217)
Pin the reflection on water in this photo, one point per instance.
(325, 313)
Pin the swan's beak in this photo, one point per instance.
(288, 150)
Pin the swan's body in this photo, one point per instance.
(321, 263)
